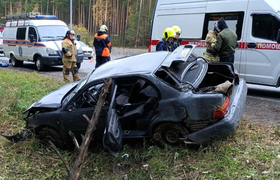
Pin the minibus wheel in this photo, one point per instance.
(15, 62)
(39, 64)
(78, 65)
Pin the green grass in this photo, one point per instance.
(252, 152)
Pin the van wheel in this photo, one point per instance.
(39, 64)
(15, 62)
(48, 134)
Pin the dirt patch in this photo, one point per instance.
(262, 111)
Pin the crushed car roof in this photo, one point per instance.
(139, 64)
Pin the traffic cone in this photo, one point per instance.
(91, 60)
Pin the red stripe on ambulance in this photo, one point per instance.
(242, 45)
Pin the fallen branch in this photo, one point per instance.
(57, 152)
(76, 170)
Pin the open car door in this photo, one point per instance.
(113, 134)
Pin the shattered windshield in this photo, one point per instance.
(48, 33)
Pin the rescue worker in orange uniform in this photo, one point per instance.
(102, 44)
(69, 60)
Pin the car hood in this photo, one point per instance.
(54, 98)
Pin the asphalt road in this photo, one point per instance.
(262, 105)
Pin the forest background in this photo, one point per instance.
(128, 21)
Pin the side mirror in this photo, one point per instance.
(31, 37)
(78, 37)
(278, 36)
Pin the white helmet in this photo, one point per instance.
(103, 28)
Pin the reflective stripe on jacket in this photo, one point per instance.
(102, 44)
(72, 50)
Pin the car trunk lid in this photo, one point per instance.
(185, 66)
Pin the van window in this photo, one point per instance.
(21, 33)
(32, 31)
(265, 26)
(189, 30)
(234, 21)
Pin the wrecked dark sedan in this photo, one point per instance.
(170, 98)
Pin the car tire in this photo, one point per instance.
(167, 134)
(15, 62)
(39, 64)
(78, 65)
(48, 134)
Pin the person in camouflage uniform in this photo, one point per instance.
(69, 51)
(210, 54)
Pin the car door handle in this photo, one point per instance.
(251, 45)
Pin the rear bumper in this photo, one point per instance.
(229, 123)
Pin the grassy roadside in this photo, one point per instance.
(252, 152)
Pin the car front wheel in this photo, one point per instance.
(48, 134)
(39, 64)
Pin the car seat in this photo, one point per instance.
(136, 88)
(141, 112)
(131, 97)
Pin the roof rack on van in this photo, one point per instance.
(30, 15)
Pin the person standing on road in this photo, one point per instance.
(69, 60)
(167, 38)
(226, 41)
(102, 44)
(210, 54)
(176, 42)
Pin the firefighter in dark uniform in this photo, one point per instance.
(69, 60)
(176, 41)
(166, 43)
(102, 44)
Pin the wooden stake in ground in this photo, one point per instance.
(76, 170)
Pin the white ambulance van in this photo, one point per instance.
(36, 38)
(256, 22)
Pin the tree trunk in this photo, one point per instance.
(138, 26)
(78, 164)
(127, 11)
(89, 16)
(48, 2)
(118, 20)
(11, 7)
(105, 22)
